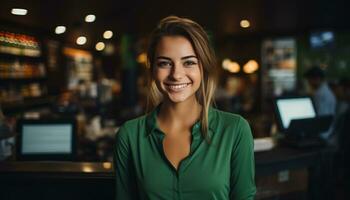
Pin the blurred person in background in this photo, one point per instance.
(342, 92)
(322, 95)
(67, 104)
(184, 147)
(342, 125)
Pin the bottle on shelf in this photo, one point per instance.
(19, 72)
(19, 44)
(18, 69)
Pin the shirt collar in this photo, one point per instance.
(152, 126)
(151, 120)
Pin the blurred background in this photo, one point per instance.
(78, 67)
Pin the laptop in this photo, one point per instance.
(46, 140)
(298, 121)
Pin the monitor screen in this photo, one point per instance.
(47, 138)
(294, 108)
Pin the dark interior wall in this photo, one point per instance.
(334, 59)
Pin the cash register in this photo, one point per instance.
(298, 121)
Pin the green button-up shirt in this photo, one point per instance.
(221, 170)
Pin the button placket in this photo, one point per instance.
(179, 185)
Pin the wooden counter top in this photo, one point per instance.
(266, 162)
(56, 166)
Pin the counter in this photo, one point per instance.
(94, 180)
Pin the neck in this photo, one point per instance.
(183, 114)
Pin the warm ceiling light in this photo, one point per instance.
(230, 66)
(90, 18)
(250, 67)
(108, 34)
(233, 67)
(142, 58)
(100, 46)
(60, 29)
(244, 23)
(81, 40)
(225, 63)
(19, 11)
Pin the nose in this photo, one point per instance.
(177, 72)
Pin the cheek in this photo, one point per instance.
(195, 76)
(160, 75)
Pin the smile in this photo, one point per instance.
(176, 87)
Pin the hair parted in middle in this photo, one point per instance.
(195, 34)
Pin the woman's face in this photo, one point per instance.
(176, 69)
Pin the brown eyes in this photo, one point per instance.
(164, 64)
(189, 63)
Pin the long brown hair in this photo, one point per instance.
(176, 26)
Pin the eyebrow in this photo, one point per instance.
(183, 58)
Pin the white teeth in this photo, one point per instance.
(180, 86)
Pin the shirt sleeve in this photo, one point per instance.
(242, 164)
(125, 178)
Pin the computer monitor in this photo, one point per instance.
(46, 139)
(293, 108)
(299, 123)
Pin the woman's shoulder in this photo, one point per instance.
(227, 118)
(132, 126)
(231, 125)
(135, 122)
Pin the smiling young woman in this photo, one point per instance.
(177, 70)
(183, 148)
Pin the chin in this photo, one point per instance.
(178, 98)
